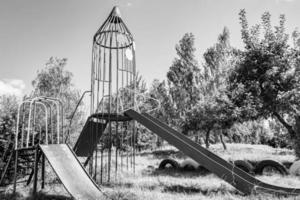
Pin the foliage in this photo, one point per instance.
(183, 78)
(219, 61)
(214, 111)
(55, 81)
(160, 91)
(8, 118)
(266, 80)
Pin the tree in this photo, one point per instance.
(54, 81)
(8, 118)
(214, 111)
(160, 91)
(183, 78)
(219, 59)
(266, 80)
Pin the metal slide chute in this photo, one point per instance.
(241, 180)
(71, 173)
(89, 137)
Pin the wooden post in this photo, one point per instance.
(36, 162)
(15, 171)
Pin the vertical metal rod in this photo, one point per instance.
(52, 130)
(109, 107)
(23, 127)
(17, 128)
(35, 170)
(101, 168)
(29, 123)
(16, 171)
(117, 108)
(134, 103)
(51, 123)
(34, 123)
(93, 79)
(43, 171)
(96, 163)
(57, 123)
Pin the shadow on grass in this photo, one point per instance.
(204, 191)
(162, 154)
(9, 196)
(118, 184)
(120, 195)
(42, 196)
(179, 173)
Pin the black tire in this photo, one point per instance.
(188, 167)
(244, 165)
(270, 163)
(202, 170)
(165, 162)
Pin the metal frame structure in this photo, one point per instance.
(28, 139)
(113, 78)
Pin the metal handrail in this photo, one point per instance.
(45, 103)
(73, 114)
(144, 97)
(137, 94)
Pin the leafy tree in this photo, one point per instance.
(8, 118)
(55, 81)
(215, 112)
(160, 92)
(266, 80)
(219, 61)
(183, 78)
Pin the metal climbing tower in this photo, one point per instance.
(112, 92)
(113, 66)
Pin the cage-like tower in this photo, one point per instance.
(112, 92)
(113, 66)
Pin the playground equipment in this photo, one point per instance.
(112, 122)
(112, 91)
(39, 121)
(241, 180)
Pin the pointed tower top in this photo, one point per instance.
(113, 33)
(116, 12)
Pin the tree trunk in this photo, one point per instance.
(196, 137)
(297, 138)
(207, 138)
(286, 125)
(222, 141)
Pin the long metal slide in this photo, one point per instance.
(241, 180)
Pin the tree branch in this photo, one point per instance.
(285, 124)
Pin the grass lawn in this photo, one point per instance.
(149, 183)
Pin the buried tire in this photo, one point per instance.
(244, 165)
(189, 165)
(168, 164)
(270, 164)
(202, 170)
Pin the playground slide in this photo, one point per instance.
(71, 173)
(89, 138)
(241, 180)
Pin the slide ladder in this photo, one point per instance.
(241, 180)
(7, 164)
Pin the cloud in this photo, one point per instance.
(12, 87)
(129, 4)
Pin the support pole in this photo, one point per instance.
(43, 171)
(35, 170)
(15, 171)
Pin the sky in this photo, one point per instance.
(32, 31)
